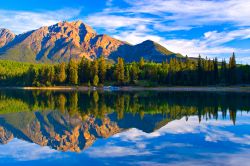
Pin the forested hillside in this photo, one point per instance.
(201, 72)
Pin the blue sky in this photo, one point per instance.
(190, 27)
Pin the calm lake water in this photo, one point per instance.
(124, 128)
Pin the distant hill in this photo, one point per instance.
(74, 40)
(149, 50)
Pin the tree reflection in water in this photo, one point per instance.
(74, 120)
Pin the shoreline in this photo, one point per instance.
(242, 89)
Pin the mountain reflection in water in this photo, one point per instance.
(73, 121)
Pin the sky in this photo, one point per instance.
(212, 28)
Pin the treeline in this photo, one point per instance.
(100, 72)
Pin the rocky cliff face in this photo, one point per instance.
(6, 36)
(74, 40)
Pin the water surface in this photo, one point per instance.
(124, 128)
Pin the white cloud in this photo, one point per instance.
(167, 28)
(216, 38)
(116, 151)
(22, 21)
(136, 37)
(135, 135)
(26, 151)
(171, 144)
(113, 22)
(195, 12)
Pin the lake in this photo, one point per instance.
(124, 128)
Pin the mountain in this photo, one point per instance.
(74, 40)
(149, 50)
(6, 36)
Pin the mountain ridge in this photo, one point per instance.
(73, 40)
(6, 36)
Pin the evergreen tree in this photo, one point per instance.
(119, 71)
(200, 70)
(102, 69)
(141, 63)
(232, 70)
(127, 74)
(61, 73)
(81, 72)
(96, 80)
(73, 72)
(223, 72)
(85, 71)
(134, 73)
(51, 75)
(186, 75)
(30, 76)
(215, 71)
(232, 62)
(94, 70)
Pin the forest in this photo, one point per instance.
(101, 72)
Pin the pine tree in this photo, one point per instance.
(127, 74)
(51, 74)
(186, 79)
(30, 76)
(141, 63)
(200, 70)
(85, 71)
(119, 71)
(96, 80)
(232, 70)
(223, 72)
(232, 62)
(81, 72)
(215, 71)
(61, 73)
(102, 69)
(134, 73)
(94, 70)
(73, 72)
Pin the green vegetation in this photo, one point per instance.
(12, 105)
(172, 105)
(180, 72)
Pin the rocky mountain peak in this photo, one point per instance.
(75, 25)
(73, 40)
(6, 36)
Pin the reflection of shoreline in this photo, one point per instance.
(63, 132)
(72, 121)
(241, 89)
